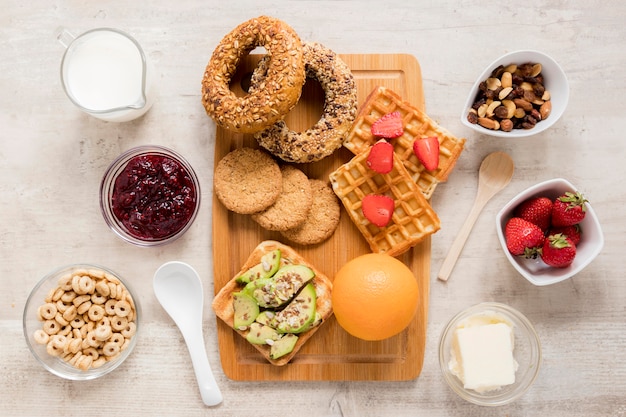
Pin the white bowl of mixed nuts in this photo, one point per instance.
(520, 94)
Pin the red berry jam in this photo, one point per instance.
(153, 197)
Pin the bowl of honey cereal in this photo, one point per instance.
(149, 195)
(81, 321)
(520, 94)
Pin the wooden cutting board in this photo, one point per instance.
(331, 354)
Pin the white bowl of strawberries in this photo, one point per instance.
(549, 232)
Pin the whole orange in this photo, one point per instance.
(374, 296)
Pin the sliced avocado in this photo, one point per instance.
(283, 346)
(270, 262)
(264, 317)
(255, 286)
(299, 313)
(259, 334)
(316, 322)
(277, 290)
(246, 310)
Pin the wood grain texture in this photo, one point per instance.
(53, 158)
(332, 354)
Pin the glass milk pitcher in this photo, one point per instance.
(106, 74)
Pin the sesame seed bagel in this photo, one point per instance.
(282, 85)
(327, 135)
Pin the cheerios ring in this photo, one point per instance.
(283, 85)
(327, 135)
(48, 311)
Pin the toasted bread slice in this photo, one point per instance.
(223, 301)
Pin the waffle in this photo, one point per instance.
(223, 302)
(416, 124)
(413, 218)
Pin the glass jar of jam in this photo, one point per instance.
(149, 195)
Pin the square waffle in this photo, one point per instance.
(413, 218)
(416, 124)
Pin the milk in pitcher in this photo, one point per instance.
(105, 73)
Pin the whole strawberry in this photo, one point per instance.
(537, 210)
(574, 232)
(568, 209)
(523, 237)
(558, 251)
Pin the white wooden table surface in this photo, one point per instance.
(52, 158)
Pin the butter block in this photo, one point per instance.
(483, 356)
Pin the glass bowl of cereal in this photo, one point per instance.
(520, 94)
(81, 321)
(489, 354)
(149, 195)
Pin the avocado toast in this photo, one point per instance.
(277, 329)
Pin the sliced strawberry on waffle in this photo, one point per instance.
(378, 209)
(380, 158)
(427, 152)
(389, 126)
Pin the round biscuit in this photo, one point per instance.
(247, 180)
(293, 204)
(323, 217)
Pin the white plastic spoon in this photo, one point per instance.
(178, 288)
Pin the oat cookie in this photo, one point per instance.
(247, 180)
(293, 204)
(322, 220)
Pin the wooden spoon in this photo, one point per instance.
(495, 173)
